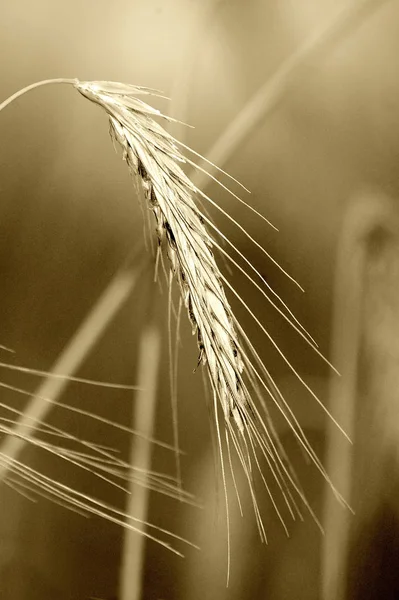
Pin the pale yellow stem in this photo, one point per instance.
(140, 457)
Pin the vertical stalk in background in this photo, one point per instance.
(366, 214)
(140, 456)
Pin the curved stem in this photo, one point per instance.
(32, 86)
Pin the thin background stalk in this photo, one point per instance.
(365, 215)
(143, 420)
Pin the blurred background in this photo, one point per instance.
(69, 218)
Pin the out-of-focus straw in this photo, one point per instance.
(140, 456)
(367, 213)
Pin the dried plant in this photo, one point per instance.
(238, 377)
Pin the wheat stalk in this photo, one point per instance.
(236, 373)
(153, 156)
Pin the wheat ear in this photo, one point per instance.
(153, 156)
(236, 371)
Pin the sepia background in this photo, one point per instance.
(69, 218)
